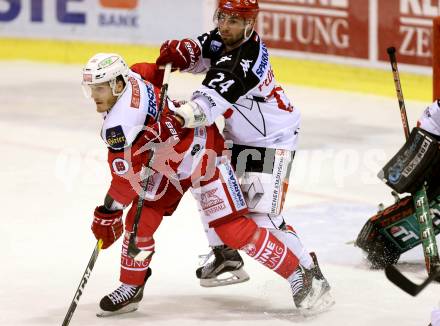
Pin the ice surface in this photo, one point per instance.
(54, 173)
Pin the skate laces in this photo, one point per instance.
(204, 258)
(296, 281)
(122, 293)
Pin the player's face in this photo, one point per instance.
(103, 96)
(231, 29)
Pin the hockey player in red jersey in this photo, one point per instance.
(260, 121)
(183, 159)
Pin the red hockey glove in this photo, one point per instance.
(149, 72)
(182, 54)
(168, 129)
(107, 225)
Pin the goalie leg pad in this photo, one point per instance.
(394, 231)
(381, 251)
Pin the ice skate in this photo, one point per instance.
(310, 290)
(225, 269)
(123, 300)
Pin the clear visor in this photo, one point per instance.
(221, 17)
(98, 89)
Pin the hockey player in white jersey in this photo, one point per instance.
(261, 123)
(430, 119)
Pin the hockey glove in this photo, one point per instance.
(149, 72)
(182, 54)
(168, 129)
(107, 225)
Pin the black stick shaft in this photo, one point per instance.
(132, 248)
(392, 55)
(82, 283)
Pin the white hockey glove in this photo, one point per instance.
(192, 114)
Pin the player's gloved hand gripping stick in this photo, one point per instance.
(136, 252)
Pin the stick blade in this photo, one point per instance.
(400, 280)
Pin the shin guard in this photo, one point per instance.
(272, 253)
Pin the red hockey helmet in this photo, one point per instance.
(247, 9)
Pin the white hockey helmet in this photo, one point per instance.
(104, 67)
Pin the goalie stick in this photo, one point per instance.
(82, 283)
(420, 197)
(133, 251)
(408, 286)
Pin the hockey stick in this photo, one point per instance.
(82, 283)
(392, 55)
(396, 277)
(420, 198)
(133, 251)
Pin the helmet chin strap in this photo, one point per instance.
(248, 29)
(113, 87)
(247, 33)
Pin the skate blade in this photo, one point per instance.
(323, 304)
(238, 276)
(125, 310)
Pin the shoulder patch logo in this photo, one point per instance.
(120, 166)
(245, 64)
(115, 137)
(215, 46)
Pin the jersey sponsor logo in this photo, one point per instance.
(211, 203)
(120, 166)
(196, 148)
(200, 132)
(269, 78)
(245, 64)
(427, 112)
(206, 96)
(152, 106)
(264, 61)
(224, 59)
(234, 188)
(135, 93)
(215, 46)
(115, 137)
